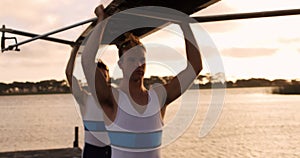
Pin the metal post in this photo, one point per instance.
(214, 18)
(211, 18)
(50, 33)
(3, 38)
(75, 143)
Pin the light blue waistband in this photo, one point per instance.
(96, 126)
(135, 140)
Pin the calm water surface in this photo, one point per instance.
(253, 123)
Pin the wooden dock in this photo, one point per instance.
(49, 153)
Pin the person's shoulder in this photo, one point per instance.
(157, 87)
(113, 85)
(159, 90)
(115, 91)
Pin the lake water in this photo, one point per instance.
(253, 123)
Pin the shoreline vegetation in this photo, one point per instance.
(280, 86)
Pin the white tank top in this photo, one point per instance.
(134, 134)
(94, 128)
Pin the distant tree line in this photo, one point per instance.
(202, 82)
(42, 87)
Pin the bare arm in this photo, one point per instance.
(103, 89)
(98, 86)
(180, 83)
(78, 93)
(70, 66)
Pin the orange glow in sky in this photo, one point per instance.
(251, 48)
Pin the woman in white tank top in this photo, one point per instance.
(96, 140)
(134, 114)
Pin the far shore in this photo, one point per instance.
(279, 86)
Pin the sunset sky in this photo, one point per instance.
(251, 48)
